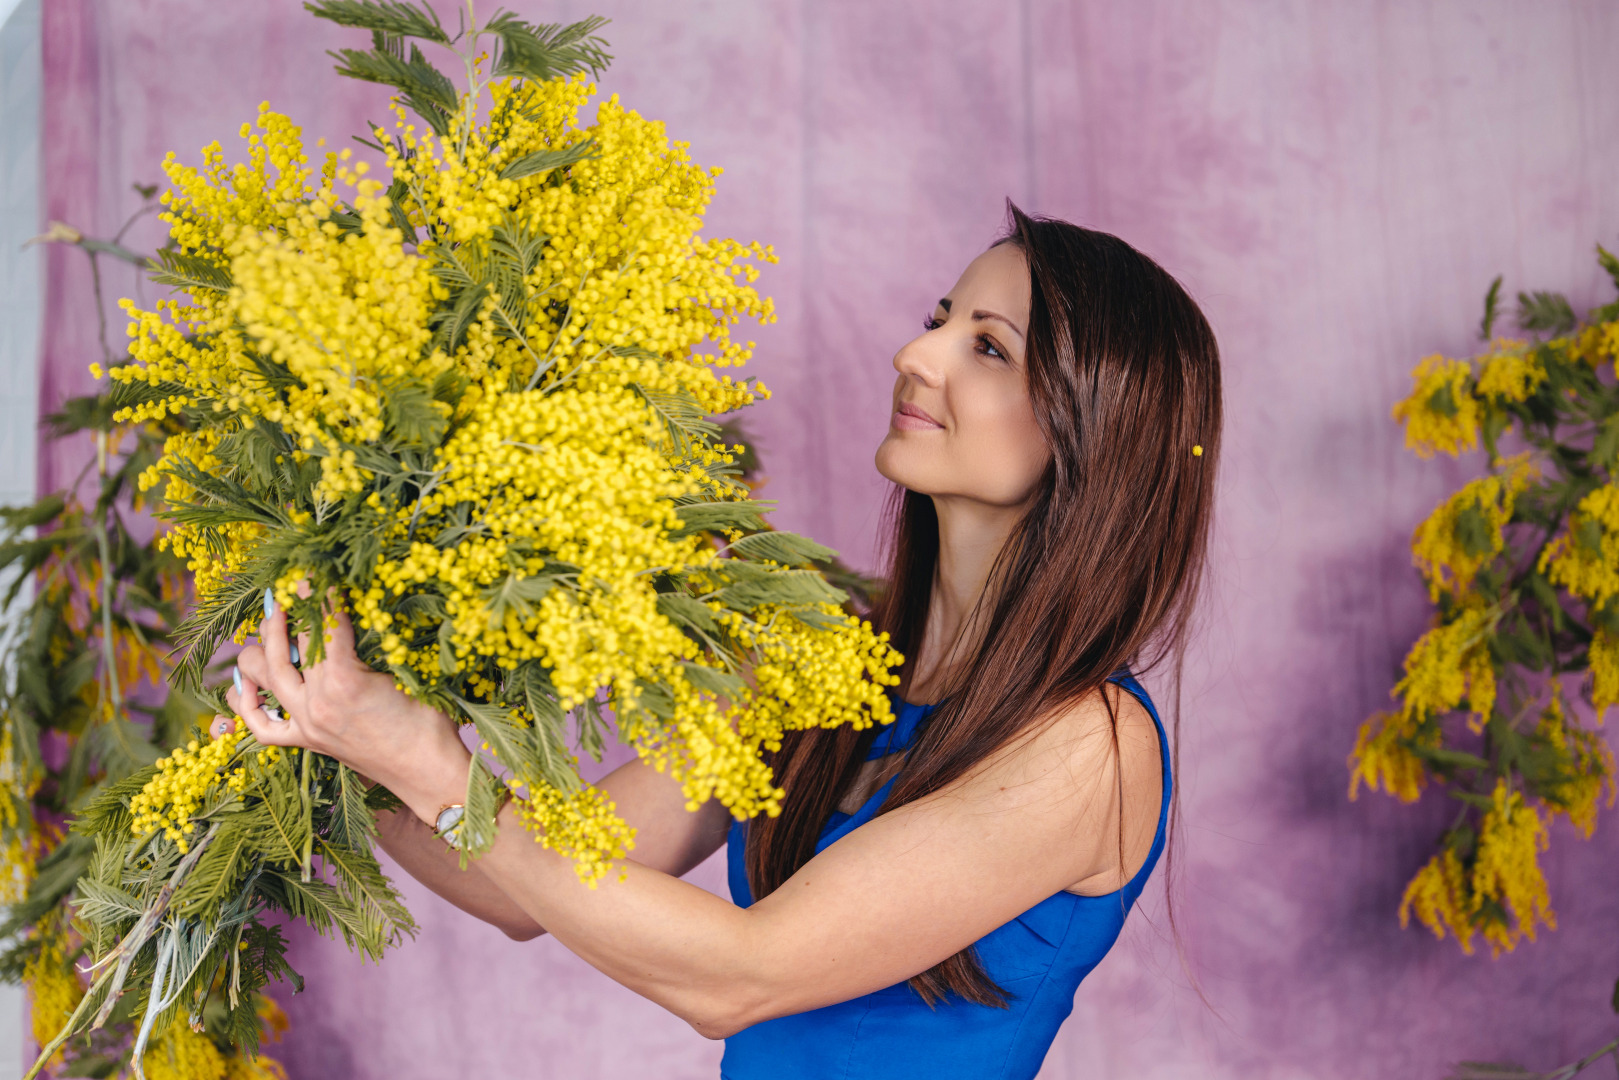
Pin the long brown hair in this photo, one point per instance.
(1101, 572)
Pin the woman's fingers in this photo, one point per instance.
(278, 673)
(300, 648)
(271, 732)
(339, 630)
(222, 725)
(243, 696)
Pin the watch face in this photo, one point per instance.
(448, 821)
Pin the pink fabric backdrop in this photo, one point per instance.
(1335, 182)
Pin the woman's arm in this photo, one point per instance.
(668, 837)
(430, 861)
(886, 902)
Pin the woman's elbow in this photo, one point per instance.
(522, 931)
(721, 1015)
(716, 1028)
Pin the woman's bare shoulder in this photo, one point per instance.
(1081, 730)
(1114, 746)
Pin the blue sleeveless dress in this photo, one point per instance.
(1038, 958)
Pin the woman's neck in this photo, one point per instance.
(971, 536)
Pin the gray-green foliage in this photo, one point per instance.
(176, 931)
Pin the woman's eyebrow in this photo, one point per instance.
(979, 315)
(985, 314)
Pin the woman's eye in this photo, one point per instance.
(987, 347)
(930, 323)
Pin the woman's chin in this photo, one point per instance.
(892, 464)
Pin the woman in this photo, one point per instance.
(933, 891)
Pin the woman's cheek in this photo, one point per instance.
(1004, 452)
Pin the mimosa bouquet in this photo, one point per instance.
(473, 403)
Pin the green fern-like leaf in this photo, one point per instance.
(789, 549)
(476, 833)
(684, 422)
(381, 917)
(217, 873)
(195, 273)
(1492, 303)
(353, 825)
(781, 587)
(413, 417)
(713, 680)
(714, 516)
(547, 51)
(543, 161)
(384, 16)
(687, 612)
(1545, 312)
(425, 89)
(215, 618)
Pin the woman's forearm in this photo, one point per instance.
(672, 942)
(668, 838)
(430, 861)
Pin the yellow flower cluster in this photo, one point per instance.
(1504, 896)
(54, 989)
(1440, 898)
(1441, 413)
(1587, 767)
(824, 675)
(573, 475)
(183, 1054)
(1446, 559)
(1489, 881)
(1604, 660)
(582, 825)
(805, 665)
(1595, 343)
(183, 782)
(242, 1067)
(1507, 872)
(1588, 570)
(622, 267)
(1512, 373)
(17, 856)
(1448, 665)
(1383, 758)
(493, 364)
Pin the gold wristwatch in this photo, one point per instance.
(447, 826)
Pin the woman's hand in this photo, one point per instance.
(341, 708)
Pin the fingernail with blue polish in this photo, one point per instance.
(269, 603)
(236, 677)
(292, 651)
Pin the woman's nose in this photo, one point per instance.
(919, 360)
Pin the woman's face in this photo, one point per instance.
(962, 425)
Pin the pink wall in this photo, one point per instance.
(1335, 182)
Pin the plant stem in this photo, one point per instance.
(309, 815)
(109, 653)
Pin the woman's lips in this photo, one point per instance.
(909, 417)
